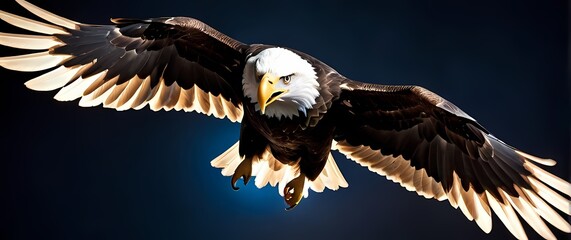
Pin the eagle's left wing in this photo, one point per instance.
(428, 145)
(167, 63)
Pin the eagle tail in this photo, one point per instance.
(268, 169)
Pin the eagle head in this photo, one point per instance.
(280, 83)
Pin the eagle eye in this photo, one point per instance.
(286, 79)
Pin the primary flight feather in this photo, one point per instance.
(293, 110)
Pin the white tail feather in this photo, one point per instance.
(224, 159)
(333, 178)
(267, 169)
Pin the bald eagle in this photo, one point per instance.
(293, 110)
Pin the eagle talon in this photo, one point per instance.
(244, 170)
(293, 191)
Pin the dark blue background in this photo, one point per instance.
(91, 173)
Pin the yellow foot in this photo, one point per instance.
(293, 191)
(243, 170)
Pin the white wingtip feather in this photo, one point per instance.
(96, 98)
(512, 217)
(75, 89)
(52, 80)
(544, 161)
(550, 179)
(31, 25)
(546, 212)
(506, 214)
(48, 16)
(127, 98)
(31, 42)
(530, 216)
(551, 196)
(32, 62)
(482, 217)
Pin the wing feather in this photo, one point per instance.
(48, 16)
(115, 94)
(428, 145)
(31, 25)
(547, 212)
(30, 42)
(52, 80)
(523, 207)
(142, 95)
(32, 62)
(127, 96)
(166, 63)
(76, 88)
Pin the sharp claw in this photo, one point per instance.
(234, 180)
(293, 191)
(244, 170)
(291, 207)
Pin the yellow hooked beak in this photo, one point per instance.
(267, 93)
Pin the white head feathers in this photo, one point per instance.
(303, 88)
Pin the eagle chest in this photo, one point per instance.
(289, 142)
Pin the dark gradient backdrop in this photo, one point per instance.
(91, 173)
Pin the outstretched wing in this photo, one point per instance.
(428, 145)
(168, 63)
